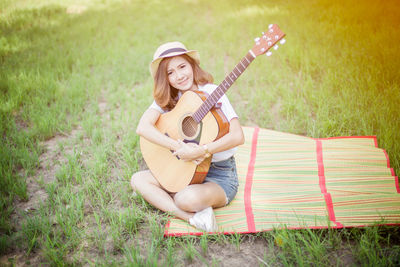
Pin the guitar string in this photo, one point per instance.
(187, 124)
(197, 116)
(192, 124)
(225, 85)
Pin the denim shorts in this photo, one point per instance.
(224, 174)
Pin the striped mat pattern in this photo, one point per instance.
(297, 182)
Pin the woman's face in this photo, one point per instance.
(180, 74)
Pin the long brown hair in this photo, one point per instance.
(166, 95)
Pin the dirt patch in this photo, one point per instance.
(49, 162)
(53, 157)
(275, 112)
(250, 252)
(19, 259)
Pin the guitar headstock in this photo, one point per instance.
(268, 40)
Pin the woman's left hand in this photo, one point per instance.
(190, 152)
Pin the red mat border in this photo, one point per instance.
(249, 183)
(322, 184)
(321, 174)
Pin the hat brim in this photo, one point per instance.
(156, 62)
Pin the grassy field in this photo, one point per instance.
(74, 81)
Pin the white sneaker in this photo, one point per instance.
(204, 220)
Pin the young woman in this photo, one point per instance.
(176, 70)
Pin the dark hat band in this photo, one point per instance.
(172, 50)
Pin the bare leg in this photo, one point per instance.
(200, 198)
(197, 197)
(145, 183)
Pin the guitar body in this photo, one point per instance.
(172, 173)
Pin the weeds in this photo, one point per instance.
(204, 244)
(375, 248)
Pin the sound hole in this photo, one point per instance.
(189, 127)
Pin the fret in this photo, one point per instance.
(236, 68)
(244, 67)
(230, 79)
(210, 102)
(248, 62)
(214, 98)
(226, 84)
(203, 113)
(195, 117)
(217, 93)
(240, 70)
(223, 90)
(205, 108)
(200, 116)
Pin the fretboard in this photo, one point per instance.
(210, 102)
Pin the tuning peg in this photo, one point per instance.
(270, 26)
(269, 53)
(283, 41)
(257, 39)
(276, 47)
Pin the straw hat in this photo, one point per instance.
(169, 50)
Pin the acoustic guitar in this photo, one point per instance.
(197, 118)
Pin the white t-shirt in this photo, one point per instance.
(226, 108)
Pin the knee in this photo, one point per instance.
(182, 201)
(135, 181)
(142, 179)
(186, 201)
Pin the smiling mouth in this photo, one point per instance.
(183, 82)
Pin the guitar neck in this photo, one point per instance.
(210, 102)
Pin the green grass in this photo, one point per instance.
(80, 82)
